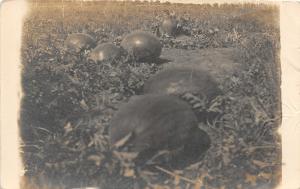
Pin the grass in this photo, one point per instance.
(65, 143)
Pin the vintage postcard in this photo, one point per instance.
(150, 95)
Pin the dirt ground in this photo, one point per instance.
(69, 102)
(221, 63)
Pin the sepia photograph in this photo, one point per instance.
(150, 95)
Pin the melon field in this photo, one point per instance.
(69, 100)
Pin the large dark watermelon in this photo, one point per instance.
(151, 123)
(77, 42)
(104, 52)
(169, 26)
(180, 80)
(144, 46)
